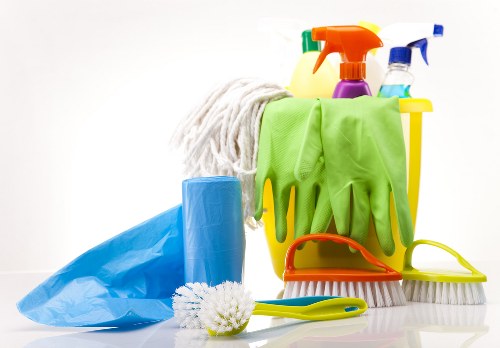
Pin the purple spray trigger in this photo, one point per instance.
(422, 44)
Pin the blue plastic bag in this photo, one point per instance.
(124, 281)
(214, 236)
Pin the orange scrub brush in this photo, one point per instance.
(377, 288)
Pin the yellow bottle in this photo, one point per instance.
(305, 84)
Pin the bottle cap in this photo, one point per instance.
(400, 55)
(308, 44)
(353, 71)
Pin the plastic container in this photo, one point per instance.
(305, 84)
(397, 82)
(405, 37)
(324, 254)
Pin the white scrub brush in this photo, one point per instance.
(186, 304)
(225, 310)
(442, 287)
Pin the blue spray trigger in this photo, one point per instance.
(438, 30)
(422, 44)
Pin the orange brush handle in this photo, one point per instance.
(326, 273)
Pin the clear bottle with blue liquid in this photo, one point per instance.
(398, 79)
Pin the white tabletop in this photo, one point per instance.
(414, 325)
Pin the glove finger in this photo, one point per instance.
(259, 196)
(360, 214)
(311, 147)
(380, 202)
(405, 222)
(323, 212)
(281, 197)
(305, 197)
(340, 202)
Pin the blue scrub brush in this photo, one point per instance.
(226, 309)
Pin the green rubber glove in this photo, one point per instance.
(364, 152)
(282, 130)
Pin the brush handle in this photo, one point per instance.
(290, 255)
(409, 254)
(335, 308)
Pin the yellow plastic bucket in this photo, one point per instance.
(328, 254)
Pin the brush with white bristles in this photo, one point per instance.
(442, 287)
(186, 304)
(225, 309)
(377, 288)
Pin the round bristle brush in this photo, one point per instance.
(186, 304)
(226, 309)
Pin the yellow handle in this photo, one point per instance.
(336, 308)
(408, 267)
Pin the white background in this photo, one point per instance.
(91, 91)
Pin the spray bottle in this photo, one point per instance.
(305, 84)
(403, 37)
(352, 42)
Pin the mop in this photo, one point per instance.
(221, 135)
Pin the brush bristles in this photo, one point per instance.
(444, 293)
(376, 294)
(227, 309)
(186, 304)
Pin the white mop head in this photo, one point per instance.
(376, 294)
(467, 293)
(221, 135)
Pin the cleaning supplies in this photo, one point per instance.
(125, 281)
(403, 37)
(214, 237)
(352, 42)
(364, 153)
(305, 84)
(442, 287)
(377, 288)
(226, 311)
(283, 125)
(221, 135)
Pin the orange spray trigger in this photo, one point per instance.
(352, 42)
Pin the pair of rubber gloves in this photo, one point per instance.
(344, 157)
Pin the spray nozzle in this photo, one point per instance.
(352, 42)
(422, 44)
(406, 36)
(438, 30)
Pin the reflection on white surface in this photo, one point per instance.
(444, 322)
(403, 326)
